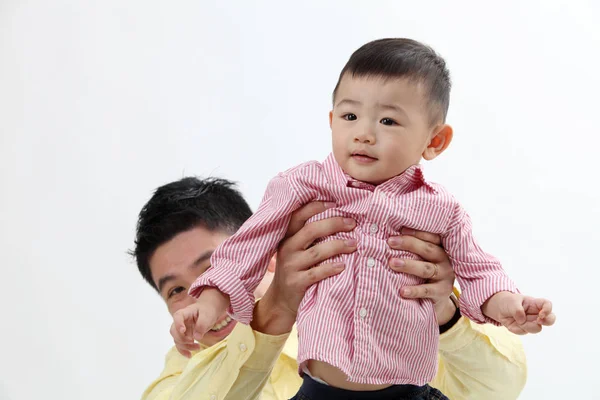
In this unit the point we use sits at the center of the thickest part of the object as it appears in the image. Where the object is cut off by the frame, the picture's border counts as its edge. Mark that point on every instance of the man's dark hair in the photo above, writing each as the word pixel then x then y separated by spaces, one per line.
pixel 212 203
pixel 404 58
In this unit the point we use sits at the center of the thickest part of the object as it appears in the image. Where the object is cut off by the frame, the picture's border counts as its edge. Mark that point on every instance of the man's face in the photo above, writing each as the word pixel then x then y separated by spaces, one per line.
pixel 380 127
pixel 176 264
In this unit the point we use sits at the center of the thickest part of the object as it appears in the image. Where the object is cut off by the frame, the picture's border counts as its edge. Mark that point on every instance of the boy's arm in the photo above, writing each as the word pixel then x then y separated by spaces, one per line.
pixel 480 275
pixel 480 362
pixel 239 264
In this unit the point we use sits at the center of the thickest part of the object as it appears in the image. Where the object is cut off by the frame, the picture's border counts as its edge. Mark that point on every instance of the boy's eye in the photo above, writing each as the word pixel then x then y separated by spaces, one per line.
pixel 350 117
pixel 388 121
pixel 175 290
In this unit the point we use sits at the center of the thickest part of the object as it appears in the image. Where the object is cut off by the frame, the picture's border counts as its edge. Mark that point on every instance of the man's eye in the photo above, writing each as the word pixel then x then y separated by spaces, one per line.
pixel 350 117
pixel 388 121
pixel 175 290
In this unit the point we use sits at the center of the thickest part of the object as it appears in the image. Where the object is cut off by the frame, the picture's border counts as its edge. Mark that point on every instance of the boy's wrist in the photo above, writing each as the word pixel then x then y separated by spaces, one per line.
pixel 491 307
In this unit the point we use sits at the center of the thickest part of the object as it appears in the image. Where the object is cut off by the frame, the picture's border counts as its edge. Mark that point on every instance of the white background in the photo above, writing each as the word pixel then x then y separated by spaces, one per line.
pixel 101 102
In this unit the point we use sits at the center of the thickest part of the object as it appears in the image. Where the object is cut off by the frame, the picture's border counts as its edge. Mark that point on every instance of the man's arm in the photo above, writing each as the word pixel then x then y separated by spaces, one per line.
pixel 231 371
pixel 240 364
pixel 480 362
pixel 475 361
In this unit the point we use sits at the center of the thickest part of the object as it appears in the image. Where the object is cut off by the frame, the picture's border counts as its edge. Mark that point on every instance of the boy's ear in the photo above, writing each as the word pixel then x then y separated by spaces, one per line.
pixel 440 140
pixel 330 117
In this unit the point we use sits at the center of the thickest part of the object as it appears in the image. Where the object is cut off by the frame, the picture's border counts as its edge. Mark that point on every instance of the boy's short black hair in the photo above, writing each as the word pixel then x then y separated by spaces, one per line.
pixel 404 58
pixel 213 203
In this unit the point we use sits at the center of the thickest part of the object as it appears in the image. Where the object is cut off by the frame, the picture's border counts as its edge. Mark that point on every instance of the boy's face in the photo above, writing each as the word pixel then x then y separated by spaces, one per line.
pixel 380 127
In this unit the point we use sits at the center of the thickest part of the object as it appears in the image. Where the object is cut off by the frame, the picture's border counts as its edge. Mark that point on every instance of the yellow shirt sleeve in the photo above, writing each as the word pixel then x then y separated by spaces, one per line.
pixel 480 362
pixel 236 368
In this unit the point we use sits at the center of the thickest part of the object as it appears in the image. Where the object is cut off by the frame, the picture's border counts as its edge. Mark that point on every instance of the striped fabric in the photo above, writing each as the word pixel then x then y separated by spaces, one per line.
pixel 357 321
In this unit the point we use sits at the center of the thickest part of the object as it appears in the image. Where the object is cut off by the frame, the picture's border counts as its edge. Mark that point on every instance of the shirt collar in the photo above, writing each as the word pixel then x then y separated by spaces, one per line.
pixel 411 179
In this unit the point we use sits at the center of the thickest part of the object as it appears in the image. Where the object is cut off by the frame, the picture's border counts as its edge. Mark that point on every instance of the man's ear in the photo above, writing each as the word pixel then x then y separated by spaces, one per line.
pixel 440 140
pixel 330 118
pixel 271 266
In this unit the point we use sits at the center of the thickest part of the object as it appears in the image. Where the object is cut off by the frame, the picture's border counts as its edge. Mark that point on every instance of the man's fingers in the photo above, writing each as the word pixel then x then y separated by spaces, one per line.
pixel 421 269
pixel 318 273
pixel 321 252
pixel 425 291
pixel 426 236
pixel 303 214
pixel 306 236
pixel 426 250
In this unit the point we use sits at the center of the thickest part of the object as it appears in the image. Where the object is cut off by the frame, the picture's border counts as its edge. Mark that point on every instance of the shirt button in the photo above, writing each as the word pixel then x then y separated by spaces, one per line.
pixel 382 196
pixel 371 262
pixel 362 313
pixel 243 347
pixel 213 397
pixel 373 228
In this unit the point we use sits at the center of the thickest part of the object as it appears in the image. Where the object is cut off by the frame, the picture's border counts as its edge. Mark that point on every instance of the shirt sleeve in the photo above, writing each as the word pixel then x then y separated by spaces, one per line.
pixel 240 262
pixel 236 368
pixel 480 362
pixel 480 275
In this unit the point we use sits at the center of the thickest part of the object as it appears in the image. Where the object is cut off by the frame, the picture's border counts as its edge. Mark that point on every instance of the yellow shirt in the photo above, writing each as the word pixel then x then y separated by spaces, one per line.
pixel 475 362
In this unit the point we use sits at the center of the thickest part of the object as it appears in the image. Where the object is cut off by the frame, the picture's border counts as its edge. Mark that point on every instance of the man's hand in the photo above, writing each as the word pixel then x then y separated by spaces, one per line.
pixel 299 266
pixel 192 322
pixel 519 314
pixel 299 261
pixel 435 269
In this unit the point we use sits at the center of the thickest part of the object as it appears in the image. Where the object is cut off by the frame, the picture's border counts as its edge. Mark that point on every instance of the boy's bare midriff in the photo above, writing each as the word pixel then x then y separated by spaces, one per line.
pixel 335 377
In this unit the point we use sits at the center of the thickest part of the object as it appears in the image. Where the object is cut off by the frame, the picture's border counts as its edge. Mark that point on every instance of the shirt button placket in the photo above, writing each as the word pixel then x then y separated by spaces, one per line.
pixel 374 228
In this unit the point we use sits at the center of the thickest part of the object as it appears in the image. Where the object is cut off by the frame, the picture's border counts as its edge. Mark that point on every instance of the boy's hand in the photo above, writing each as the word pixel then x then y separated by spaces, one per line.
pixel 520 314
pixel 192 322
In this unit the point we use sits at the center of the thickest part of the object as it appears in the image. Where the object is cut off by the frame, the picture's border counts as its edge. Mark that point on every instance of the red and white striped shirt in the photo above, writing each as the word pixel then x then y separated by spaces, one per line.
pixel 357 321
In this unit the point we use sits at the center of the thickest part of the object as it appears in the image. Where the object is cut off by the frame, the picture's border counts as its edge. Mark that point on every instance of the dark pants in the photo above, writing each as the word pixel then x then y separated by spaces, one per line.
pixel 313 390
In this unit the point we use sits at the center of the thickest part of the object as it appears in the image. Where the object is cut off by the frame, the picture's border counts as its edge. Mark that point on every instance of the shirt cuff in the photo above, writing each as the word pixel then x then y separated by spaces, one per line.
pixel 265 348
pixel 471 300
pixel 222 278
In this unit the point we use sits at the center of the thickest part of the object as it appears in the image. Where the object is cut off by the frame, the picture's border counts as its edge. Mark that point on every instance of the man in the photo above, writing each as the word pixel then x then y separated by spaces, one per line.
pixel 186 220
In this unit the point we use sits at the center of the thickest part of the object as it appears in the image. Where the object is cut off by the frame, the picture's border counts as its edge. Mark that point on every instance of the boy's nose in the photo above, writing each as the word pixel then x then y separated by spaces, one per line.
pixel 365 136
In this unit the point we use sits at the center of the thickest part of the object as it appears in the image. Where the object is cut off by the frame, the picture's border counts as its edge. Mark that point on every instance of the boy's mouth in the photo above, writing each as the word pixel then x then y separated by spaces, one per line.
pixel 362 157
